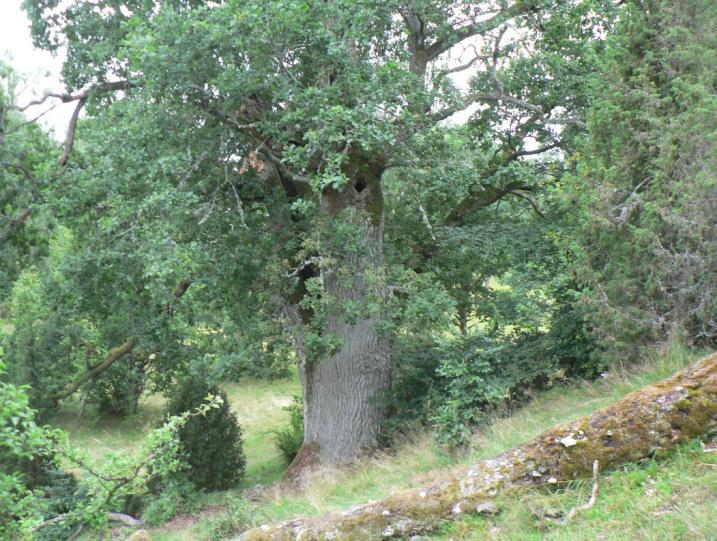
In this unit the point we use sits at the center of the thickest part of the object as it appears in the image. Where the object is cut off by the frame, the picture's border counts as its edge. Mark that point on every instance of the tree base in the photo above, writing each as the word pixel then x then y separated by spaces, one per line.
pixel 306 461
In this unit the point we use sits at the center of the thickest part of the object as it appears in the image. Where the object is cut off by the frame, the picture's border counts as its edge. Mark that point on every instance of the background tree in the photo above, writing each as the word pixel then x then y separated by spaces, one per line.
pixel 26 166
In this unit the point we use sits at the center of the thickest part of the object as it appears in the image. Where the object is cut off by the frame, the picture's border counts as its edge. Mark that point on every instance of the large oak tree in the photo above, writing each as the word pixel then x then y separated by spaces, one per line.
pixel 262 134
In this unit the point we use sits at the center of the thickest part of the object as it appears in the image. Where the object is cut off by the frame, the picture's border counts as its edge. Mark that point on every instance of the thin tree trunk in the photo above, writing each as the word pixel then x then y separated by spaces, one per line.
pixel 651 420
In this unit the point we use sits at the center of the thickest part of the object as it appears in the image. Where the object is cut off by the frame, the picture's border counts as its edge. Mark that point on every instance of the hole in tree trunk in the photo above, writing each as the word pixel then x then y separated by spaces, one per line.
pixel 360 185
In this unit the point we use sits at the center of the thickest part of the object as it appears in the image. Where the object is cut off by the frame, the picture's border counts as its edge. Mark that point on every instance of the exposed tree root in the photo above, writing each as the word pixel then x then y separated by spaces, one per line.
pixel 640 425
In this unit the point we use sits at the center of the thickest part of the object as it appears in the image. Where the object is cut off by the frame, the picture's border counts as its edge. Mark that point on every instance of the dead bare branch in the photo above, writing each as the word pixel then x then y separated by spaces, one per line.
pixel 71 129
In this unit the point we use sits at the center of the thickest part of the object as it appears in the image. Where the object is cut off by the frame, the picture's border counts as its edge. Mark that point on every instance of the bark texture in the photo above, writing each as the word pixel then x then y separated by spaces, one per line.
pixel 342 412
pixel 641 424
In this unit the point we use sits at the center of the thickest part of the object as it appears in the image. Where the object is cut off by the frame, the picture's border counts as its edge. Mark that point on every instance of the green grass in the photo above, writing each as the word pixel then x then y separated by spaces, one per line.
pixel 419 460
pixel 259 405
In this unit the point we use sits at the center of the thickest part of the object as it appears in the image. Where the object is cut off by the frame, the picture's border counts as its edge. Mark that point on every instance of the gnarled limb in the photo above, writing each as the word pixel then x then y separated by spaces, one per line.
pixel 120 351
pixel 647 421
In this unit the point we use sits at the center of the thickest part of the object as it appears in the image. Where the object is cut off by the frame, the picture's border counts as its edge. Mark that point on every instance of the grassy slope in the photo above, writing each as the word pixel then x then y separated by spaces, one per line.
pixel 658 501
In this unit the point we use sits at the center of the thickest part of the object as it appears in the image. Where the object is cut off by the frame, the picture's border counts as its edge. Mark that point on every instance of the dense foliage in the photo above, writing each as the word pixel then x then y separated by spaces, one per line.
pixel 646 179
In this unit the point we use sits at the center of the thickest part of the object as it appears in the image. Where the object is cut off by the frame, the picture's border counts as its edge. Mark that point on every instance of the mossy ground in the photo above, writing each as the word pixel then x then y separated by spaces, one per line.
pixel 418 461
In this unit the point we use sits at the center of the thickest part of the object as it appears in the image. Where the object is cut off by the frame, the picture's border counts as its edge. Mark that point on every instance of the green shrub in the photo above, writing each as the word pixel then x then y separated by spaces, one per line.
pixel 210 445
pixel 451 384
pixel 288 440
pixel 239 517
pixel 569 341
pixel 61 494
pixel 177 496
pixel 417 385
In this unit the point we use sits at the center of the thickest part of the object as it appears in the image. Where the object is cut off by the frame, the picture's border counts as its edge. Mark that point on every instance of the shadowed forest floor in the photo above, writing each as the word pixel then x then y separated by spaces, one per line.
pixel 672 497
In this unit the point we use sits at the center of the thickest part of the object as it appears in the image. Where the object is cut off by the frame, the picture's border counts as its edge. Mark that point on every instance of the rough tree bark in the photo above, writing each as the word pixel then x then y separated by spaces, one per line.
pixel 342 412
pixel 640 425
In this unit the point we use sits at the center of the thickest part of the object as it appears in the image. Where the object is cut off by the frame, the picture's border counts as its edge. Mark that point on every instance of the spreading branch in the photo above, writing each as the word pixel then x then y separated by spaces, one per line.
pixel 481 199
pixel 476 28
pixel 79 97
pixel 484 97
pixel 68 98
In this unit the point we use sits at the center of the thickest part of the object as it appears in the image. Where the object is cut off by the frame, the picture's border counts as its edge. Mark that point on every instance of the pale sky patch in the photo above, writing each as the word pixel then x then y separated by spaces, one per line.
pixel 39 69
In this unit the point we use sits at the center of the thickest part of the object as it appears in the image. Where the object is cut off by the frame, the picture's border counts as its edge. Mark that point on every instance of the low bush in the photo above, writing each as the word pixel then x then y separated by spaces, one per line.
pixel 239 516
pixel 454 382
pixel 177 496
pixel 210 445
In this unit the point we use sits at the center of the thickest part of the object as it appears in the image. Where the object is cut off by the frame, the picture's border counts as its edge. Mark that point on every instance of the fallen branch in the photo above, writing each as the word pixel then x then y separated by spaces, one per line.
pixel 113 517
pixel 653 419
pixel 113 356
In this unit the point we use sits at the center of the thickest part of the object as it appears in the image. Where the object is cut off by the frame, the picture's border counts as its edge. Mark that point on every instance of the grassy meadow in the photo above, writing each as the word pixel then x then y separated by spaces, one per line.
pixel 673 498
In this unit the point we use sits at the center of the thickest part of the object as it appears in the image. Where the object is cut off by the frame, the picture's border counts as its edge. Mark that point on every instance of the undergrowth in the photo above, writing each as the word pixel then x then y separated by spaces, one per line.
pixel 419 460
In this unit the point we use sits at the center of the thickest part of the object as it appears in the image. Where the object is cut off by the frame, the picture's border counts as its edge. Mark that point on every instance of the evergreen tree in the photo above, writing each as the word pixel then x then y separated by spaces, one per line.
pixel 647 178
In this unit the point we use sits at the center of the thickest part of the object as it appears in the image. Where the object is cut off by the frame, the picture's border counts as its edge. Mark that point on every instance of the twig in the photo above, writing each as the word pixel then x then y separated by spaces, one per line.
pixel 593 495
pixel 591 502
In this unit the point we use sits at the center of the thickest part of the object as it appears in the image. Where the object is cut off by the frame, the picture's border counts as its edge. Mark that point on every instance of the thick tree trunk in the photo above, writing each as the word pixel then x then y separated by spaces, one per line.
pixel 343 390
pixel 342 395
pixel 643 423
